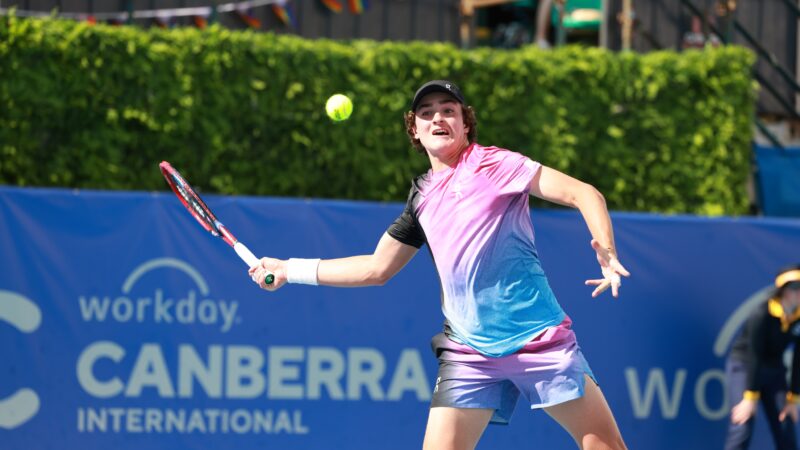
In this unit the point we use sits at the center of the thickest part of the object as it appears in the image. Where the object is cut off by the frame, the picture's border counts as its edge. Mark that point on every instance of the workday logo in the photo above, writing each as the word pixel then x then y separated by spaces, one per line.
pixel 132 305
pixel 25 316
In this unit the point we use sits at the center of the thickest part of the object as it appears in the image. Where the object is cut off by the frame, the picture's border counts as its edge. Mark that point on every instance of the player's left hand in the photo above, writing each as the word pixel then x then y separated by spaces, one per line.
pixel 611 268
pixel 790 409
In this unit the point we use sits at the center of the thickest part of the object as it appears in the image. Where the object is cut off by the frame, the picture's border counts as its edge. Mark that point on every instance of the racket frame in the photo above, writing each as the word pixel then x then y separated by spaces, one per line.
pixel 192 201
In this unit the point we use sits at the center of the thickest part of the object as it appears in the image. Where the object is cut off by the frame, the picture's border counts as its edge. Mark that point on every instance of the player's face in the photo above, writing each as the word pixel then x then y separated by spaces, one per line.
pixel 791 295
pixel 439 125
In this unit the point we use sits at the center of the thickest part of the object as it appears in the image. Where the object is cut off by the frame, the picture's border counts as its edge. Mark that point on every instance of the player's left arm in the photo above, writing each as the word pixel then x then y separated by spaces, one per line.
pixel 557 187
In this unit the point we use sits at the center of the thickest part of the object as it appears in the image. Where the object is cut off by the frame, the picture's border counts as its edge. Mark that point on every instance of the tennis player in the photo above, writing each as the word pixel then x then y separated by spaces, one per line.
pixel 505 333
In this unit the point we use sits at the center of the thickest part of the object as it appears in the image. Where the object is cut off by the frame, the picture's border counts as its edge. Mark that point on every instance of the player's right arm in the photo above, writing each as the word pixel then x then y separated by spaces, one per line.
pixel 389 257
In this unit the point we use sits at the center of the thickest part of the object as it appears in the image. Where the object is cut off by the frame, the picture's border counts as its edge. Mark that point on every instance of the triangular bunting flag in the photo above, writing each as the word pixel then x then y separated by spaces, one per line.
pixel 333 5
pixel 284 14
pixel 248 18
pixel 358 6
pixel 200 22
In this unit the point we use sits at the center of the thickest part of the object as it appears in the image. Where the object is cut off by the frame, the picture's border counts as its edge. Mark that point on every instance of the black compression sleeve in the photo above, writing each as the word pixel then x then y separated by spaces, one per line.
pixel 406 228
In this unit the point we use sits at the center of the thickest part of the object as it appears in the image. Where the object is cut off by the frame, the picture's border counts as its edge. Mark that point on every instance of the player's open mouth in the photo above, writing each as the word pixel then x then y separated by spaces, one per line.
pixel 440 133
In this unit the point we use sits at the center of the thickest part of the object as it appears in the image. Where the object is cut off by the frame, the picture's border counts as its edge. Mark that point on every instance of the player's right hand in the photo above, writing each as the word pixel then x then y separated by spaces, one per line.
pixel 258 273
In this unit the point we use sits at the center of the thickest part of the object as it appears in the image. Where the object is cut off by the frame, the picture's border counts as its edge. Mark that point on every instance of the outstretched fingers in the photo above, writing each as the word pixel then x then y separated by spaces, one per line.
pixel 612 270
pixel 602 285
pixel 611 279
pixel 618 267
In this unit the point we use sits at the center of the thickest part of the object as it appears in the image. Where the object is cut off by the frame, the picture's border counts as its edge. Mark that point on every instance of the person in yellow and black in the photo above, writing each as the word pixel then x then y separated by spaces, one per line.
pixel 756 372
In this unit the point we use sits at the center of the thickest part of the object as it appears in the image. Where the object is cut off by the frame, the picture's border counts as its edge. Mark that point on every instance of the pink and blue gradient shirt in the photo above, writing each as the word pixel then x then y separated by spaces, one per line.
pixel 476 221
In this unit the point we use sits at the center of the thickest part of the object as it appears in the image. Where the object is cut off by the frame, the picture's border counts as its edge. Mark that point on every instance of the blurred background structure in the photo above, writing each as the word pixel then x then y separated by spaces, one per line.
pixel 769 29
pixel 118 314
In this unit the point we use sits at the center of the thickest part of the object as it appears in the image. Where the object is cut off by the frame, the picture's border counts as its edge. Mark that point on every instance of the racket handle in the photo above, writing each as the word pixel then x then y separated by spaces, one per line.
pixel 250 259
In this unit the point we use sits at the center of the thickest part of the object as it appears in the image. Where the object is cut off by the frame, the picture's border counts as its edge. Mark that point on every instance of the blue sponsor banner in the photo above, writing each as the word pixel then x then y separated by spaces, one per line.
pixel 125 325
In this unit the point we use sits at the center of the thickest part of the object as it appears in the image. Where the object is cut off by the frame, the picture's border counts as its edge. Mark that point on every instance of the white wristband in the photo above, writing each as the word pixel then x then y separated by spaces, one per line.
pixel 302 271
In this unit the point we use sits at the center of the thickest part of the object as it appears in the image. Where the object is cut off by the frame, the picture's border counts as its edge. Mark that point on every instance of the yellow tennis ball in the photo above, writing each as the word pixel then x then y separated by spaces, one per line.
pixel 339 107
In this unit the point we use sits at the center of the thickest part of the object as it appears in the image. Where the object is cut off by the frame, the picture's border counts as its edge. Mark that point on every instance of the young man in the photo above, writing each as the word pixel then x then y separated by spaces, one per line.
pixel 755 369
pixel 505 333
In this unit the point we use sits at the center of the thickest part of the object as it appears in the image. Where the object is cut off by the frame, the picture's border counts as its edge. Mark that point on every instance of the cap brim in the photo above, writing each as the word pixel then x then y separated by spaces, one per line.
pixel 430 90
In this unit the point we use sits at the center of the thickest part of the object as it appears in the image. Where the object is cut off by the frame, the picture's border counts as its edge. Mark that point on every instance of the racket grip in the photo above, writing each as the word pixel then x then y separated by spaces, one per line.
pixel 250 259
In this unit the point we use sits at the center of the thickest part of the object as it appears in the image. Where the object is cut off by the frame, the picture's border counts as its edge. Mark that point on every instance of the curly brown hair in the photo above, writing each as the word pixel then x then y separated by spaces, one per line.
pixel 469 121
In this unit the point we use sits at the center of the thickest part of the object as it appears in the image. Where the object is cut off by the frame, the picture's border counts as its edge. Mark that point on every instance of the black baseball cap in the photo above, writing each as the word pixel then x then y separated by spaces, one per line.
pixel 448 87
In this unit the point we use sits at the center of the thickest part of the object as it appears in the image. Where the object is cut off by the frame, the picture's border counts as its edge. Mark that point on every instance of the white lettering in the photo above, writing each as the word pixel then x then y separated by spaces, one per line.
pixel 86 360
pixel 196 422
pixel 365 367
pixel 244 378
pixel 325 367
pixel 280 372
pixel 241 421
pixel 207 312
pixel 93 308
pixel 199 421
pixel 96 420
pixel 283 423
pixel 176 420
pixel 228 312
pixel 133 422
pixel 116 418
pixel 642 403
pixel 150 369
pixel 185 309
pixel 141 308
pixel 247 372
pixel 122 309
pixel 191 368
pixel 409 376
pixel 160 309
pixel 163 308
pixel 153 419
pixel 700 395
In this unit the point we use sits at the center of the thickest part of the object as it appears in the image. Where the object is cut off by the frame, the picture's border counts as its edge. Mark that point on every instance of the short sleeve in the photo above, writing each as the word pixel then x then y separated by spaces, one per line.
pixel 406 228
pixel 510 171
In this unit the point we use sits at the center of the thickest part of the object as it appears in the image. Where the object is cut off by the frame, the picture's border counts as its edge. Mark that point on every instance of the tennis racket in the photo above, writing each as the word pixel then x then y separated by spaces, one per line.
pixel 200 211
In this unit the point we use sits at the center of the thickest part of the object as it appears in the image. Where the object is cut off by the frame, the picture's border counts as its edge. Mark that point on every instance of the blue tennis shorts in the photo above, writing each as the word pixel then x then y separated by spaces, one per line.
pixel 548 370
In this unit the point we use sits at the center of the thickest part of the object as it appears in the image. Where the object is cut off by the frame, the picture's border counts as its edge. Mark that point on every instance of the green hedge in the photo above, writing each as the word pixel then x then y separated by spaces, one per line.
pixel 243 113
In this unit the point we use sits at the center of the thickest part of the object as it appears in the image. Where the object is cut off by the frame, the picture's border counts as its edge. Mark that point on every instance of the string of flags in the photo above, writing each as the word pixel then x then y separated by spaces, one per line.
pixel 248 18
pixel 200 15
pixel 355 6
pixel 333 5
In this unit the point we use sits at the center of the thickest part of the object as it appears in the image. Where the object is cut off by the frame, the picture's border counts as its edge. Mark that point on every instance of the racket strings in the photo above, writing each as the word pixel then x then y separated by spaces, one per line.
pixel 197 207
